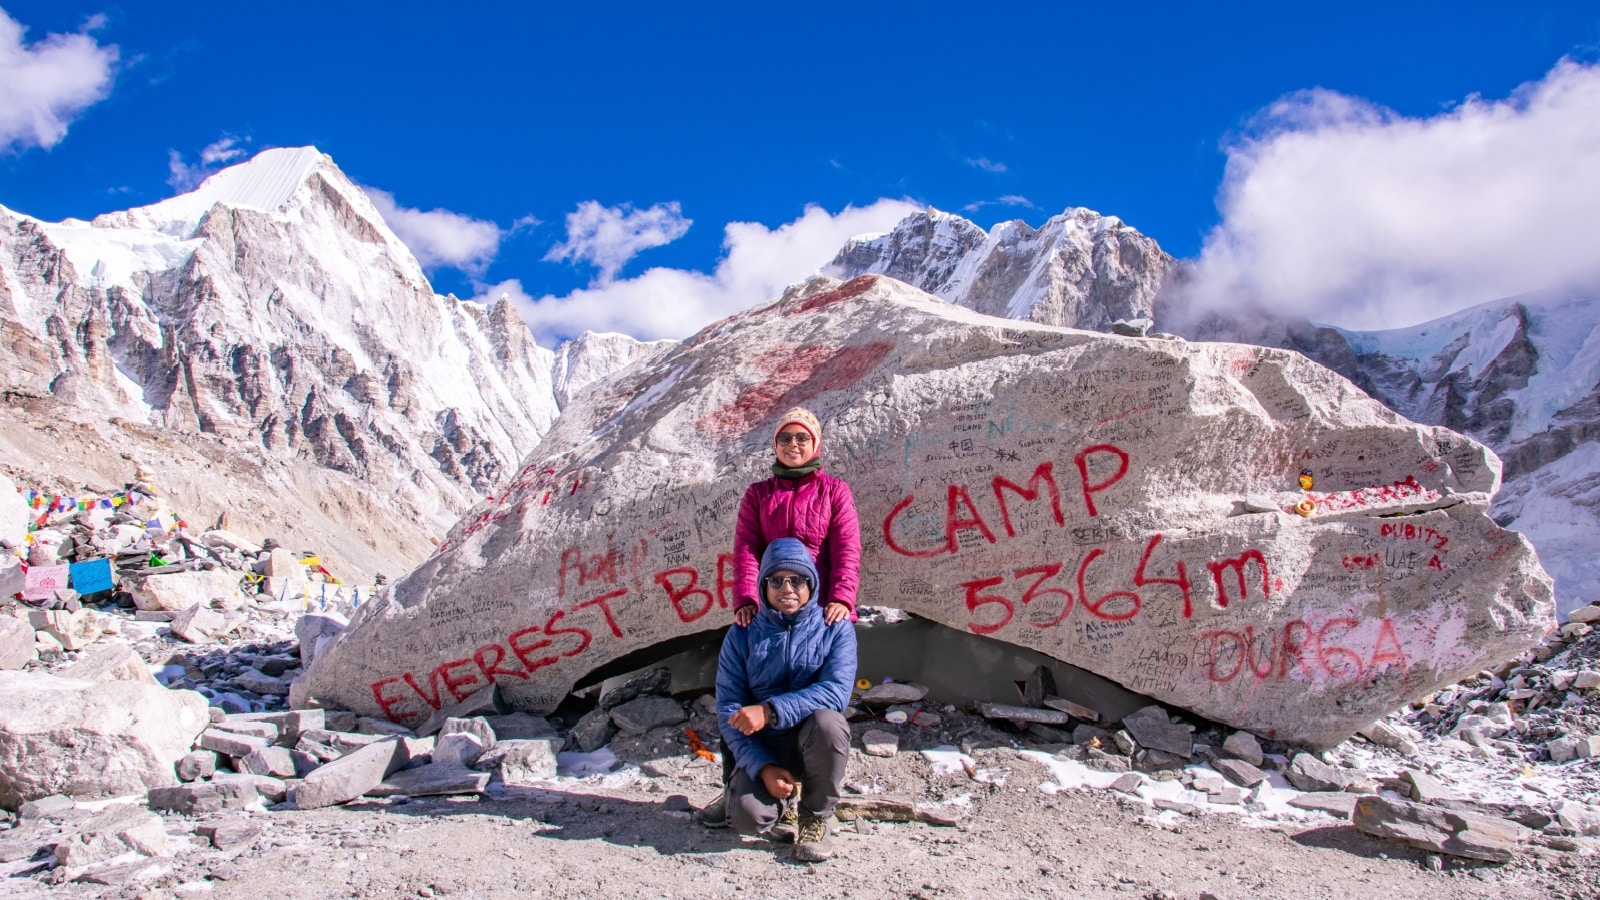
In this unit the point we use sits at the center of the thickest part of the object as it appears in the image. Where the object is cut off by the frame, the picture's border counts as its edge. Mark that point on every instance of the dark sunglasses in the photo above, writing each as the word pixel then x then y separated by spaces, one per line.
pixel 793 437
pixel 779 582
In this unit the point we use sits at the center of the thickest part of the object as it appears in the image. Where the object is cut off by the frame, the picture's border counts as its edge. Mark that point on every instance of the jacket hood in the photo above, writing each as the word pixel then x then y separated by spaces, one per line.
pixel 789 553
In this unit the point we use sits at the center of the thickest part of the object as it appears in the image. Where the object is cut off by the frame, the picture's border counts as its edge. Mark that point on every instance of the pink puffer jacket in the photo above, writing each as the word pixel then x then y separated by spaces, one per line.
pixel 819 510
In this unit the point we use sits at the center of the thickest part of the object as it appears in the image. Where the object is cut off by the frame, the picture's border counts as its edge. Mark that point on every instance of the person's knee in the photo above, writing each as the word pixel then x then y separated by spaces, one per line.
pixel 826 728
pixel 747 814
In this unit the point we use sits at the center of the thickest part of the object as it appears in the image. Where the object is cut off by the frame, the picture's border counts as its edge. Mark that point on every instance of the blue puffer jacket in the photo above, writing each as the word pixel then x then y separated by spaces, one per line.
pixel 797 663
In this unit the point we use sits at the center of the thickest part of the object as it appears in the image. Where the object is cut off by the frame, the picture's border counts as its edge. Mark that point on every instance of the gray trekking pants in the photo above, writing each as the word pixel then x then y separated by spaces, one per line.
pixel 817 754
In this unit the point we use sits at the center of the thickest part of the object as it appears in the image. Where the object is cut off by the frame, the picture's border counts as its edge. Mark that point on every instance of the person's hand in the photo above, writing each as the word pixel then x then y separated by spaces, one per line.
pixel 749 719
pixel 779 782
pixel 743 615
pixel 835 612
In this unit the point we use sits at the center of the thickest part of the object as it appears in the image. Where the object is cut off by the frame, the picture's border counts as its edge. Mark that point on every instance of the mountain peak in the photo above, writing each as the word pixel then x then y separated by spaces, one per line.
pixel 265 182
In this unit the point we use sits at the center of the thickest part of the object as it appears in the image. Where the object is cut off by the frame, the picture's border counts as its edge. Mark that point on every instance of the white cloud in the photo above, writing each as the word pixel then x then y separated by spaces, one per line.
pixel 221 151
pixel 1007 200
pixel 44 86
pixel 183 177
pixel 608 236
pixel 986 164
pixel 1355 215
pixel 758 263
pixel 441 238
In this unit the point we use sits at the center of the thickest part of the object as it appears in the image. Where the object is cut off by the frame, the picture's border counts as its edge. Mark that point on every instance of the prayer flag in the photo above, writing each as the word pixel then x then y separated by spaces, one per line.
pixel 42 582
pixel 92 576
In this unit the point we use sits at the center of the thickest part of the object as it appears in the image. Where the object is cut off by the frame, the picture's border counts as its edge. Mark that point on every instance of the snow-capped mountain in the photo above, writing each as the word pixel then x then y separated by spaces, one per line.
pixel 273 308
pixel 1522 375
pixel 1079 269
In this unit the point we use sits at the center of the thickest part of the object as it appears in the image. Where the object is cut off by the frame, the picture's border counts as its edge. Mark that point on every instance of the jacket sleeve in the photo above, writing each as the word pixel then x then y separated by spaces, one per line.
pixel 749 542
pixel 733 692
pixel 831 690
pixel 844 548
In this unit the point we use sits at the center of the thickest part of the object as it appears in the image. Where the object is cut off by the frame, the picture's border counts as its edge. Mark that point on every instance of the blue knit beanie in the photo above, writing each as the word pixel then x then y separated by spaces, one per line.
pixel 788 553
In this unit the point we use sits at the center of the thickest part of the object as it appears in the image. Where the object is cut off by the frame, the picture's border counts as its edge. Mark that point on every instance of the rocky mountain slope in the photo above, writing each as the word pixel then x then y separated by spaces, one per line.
pixel 273 319
pixel 1079 269
pixel 1522 374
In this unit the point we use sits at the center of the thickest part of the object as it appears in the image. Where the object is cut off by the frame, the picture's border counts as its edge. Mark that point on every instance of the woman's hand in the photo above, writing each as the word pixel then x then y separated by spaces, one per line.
pixel 835 613
pixel 744 614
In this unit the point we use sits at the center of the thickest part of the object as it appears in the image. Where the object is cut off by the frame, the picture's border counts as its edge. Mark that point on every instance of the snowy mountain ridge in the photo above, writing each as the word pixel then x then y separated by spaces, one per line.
pixel 273 307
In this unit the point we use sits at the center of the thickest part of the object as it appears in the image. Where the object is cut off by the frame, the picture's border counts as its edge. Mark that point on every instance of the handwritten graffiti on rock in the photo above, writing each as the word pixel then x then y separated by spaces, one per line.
pixel 1298 650
pixel 962 514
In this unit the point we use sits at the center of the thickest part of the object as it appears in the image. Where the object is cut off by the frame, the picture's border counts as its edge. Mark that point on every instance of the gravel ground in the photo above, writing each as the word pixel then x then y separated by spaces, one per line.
pixel 630 834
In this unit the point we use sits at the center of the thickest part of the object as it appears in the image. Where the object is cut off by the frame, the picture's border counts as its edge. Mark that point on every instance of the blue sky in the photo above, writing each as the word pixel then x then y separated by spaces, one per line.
pixel 657 125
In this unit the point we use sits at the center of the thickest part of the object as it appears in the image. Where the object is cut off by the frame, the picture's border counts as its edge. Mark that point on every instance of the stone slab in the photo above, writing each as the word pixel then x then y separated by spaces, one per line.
pixel 434 779
pixel 1441 830
pixel 1117 465
pixel 349 776
pixel 1339 804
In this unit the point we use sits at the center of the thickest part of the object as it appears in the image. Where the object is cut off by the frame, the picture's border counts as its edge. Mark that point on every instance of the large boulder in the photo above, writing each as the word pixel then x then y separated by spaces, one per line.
pixel 91 740
pixel 184 590
pixel 1128 505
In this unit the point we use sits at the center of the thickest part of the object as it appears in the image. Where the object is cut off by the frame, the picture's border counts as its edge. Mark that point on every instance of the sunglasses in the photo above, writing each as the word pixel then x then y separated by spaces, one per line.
pixel 779 582
pixel 793 437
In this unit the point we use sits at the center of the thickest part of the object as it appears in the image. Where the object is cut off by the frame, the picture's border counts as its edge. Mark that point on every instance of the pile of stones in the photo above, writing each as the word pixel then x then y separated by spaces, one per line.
pixel 1542 706
pixel 232 766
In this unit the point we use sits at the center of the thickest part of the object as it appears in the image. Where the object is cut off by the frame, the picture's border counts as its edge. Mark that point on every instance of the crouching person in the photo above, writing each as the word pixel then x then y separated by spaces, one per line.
pixel 782 685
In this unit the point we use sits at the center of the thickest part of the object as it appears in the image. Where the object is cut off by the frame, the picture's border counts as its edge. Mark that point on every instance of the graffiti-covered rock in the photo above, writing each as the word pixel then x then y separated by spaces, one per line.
pixel 1229 529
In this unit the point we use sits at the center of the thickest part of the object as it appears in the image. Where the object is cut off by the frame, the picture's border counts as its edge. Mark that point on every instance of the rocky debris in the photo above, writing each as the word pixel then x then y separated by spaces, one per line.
pixel 520 761
pixel 1308 773
pixel 119 828
pixel 349 776
pixel 89 739
pixel 1338 804
pixel 891 693
pixel 1024 714
pixel 230 834
pixel 591 732
pixel 650 681
pixel 1441 830
pixel 642 714
pixel 1154 729
pixel 1243 745
pixel 880 743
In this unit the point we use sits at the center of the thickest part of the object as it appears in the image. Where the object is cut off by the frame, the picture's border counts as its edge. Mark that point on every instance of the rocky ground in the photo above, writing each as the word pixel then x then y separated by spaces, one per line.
pixel 1483 789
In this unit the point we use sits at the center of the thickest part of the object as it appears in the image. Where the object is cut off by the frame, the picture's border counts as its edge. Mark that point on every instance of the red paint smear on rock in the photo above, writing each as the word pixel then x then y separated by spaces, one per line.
pixel 806 373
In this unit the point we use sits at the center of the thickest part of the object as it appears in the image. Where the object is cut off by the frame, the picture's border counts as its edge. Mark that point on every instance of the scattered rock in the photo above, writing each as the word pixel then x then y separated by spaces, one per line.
pixel 119 828
pixel 521 762
pixel 1239 772
pixel 1339 804
pixel 350 776
pixel 1308 773
pixel 880 743
pixel 434 779
pixel 1244 745
pixel 644 713
pixel 650 681
pixel 890 693
pixel 1440 830
pixel 1154 730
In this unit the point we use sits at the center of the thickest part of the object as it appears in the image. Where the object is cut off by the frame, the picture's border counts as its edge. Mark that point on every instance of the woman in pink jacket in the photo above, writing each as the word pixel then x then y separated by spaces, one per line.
pixel 799 501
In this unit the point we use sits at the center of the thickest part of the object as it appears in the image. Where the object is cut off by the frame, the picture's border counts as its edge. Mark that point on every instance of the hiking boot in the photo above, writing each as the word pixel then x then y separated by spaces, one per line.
pixel 789 822
pixel 715 813
pixel 814 840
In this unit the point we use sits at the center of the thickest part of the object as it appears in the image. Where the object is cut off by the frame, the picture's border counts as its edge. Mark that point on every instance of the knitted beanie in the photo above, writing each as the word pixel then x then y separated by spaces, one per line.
pixel 787 553
pixel 804 418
